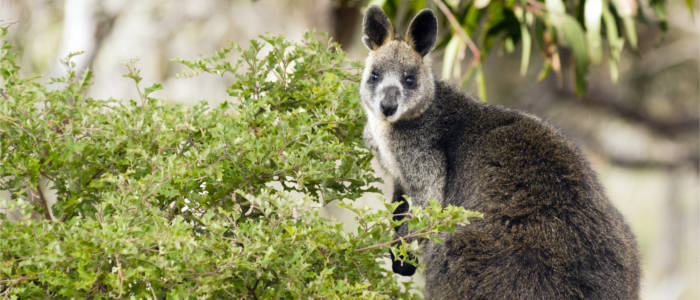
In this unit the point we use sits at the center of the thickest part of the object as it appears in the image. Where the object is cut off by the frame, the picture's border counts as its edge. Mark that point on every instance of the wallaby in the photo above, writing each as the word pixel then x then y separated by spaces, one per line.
pixel 548 231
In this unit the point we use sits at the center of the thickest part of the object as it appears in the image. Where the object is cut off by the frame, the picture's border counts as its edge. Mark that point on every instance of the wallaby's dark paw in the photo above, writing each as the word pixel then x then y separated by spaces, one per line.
pixel 403 268
pixel 400 211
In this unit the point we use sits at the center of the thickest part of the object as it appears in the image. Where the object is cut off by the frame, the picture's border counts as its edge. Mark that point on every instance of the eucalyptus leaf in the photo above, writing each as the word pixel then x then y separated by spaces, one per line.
pixel 525 38
pixel 481 83
pixel 615 42
pixel 593 11
pixel 450 57
pixel 526 47
pixel 545 71
pixel 572 35
pixel 691 7
pixel 630 31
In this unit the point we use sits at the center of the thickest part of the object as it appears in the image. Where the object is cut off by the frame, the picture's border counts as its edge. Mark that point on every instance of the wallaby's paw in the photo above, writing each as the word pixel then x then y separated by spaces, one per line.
pixel 403 268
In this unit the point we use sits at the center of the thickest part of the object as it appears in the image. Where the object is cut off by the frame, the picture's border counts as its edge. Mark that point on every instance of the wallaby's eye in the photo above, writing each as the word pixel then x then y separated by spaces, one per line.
pixel 374 77
pixel 410 81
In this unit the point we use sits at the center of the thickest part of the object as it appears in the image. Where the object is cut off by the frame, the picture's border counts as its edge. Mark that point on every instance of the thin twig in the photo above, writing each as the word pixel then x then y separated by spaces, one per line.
pixel 121 275
pixel 460 31
pixel 188 143
pixel 230 294
pixel 252 290
pixel 13 282
pixel 408 236
pixel 153 292
pixel 47 212
pixel 6 118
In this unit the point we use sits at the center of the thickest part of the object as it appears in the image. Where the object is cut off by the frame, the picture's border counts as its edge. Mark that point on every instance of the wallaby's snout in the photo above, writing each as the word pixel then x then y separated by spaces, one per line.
pixel 389 103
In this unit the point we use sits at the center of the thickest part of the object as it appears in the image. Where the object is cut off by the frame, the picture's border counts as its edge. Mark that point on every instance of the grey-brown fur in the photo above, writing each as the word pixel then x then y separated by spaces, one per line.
pixel 548 231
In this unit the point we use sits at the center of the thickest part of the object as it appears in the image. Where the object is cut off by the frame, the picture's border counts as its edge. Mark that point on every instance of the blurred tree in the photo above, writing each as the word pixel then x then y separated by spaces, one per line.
pixel 564 31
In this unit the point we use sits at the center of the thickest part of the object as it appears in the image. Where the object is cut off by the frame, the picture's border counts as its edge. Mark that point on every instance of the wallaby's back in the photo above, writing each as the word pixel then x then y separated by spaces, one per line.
pixel 548 229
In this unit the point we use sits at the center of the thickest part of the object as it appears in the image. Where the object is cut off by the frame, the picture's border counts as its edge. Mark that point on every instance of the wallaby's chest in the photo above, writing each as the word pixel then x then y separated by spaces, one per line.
pixel 400 152
pixel 380 137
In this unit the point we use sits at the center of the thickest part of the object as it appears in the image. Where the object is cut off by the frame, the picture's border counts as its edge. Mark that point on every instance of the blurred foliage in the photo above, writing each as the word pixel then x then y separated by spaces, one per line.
pixel 157 200
pixel 582 27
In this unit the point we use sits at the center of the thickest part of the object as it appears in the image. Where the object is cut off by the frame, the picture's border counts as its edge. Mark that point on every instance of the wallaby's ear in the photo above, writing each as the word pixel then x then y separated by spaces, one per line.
pixel 422 32
pixel 377 28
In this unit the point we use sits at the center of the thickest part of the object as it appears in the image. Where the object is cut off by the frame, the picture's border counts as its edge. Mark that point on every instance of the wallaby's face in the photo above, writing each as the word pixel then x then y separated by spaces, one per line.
pixel 397 83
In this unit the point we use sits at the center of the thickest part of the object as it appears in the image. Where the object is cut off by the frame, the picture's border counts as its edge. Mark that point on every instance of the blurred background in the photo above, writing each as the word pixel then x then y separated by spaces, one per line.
pixel 640 132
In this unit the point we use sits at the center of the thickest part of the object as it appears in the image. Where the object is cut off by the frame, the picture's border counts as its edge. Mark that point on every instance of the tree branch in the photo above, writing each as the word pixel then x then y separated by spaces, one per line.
pixel 13 282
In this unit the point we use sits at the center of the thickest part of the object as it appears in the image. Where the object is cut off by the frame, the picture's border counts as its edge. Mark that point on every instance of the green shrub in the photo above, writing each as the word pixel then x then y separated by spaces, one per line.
pixel 158 200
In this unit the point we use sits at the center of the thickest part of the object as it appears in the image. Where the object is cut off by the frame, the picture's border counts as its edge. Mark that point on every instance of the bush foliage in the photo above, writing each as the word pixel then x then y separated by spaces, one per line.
pixel 158 200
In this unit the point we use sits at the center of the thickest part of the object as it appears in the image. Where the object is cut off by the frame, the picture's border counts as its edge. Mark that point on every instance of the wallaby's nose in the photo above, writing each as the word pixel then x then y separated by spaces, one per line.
pixel 389 104
pixel 388 108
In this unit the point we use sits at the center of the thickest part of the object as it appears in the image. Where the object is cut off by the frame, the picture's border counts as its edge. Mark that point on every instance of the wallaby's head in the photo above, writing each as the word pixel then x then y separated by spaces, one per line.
pixel 397 83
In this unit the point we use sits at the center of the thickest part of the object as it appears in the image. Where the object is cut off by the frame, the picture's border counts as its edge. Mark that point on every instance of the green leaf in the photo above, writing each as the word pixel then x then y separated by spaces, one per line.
pixel 494 22
pixel 615 42
pixel 525 38
pixel 471 19
pixel 545 71
pixel 691 7
pixel 450 57
pixel 526 47
pixel 154 87
pixel 593 11
pixel 417 5
pixel 627 9
pixel 630 31
pixel 481 83
pixel 571 35
pixel 659 9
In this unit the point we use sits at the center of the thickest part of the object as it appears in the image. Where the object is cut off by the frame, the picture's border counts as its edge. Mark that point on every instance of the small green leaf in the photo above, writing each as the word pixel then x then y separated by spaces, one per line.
pixel 509 45
pixel 154 87
pixel 527 47
pixel 545 71
pixel 471 20
pixel 630 31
